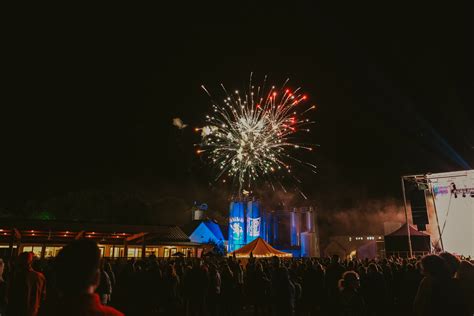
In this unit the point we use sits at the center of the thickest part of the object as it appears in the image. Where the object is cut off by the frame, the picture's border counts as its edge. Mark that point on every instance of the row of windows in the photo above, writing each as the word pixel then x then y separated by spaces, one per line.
pixel 111 251
pixel 367 238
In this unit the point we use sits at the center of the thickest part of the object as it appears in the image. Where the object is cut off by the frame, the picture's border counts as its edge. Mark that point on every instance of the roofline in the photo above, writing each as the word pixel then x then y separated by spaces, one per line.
pixel 79 225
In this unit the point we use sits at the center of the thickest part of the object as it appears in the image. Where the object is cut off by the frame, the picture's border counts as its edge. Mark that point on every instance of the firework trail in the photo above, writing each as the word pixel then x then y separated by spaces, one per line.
pixel 251 135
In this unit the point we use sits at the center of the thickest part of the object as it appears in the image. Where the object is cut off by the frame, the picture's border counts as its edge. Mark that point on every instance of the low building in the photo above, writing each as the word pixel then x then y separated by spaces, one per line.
pixel 207 231
pixel 46 238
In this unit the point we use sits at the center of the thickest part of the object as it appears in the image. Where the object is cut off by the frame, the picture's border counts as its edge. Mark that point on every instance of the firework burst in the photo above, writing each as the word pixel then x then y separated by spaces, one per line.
pixel 251 136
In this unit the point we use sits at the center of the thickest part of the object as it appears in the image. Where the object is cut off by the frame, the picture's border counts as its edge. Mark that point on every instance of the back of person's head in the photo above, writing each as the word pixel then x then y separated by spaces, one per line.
pixel 25 260
pixel 212 268
pixel 283 274
pixel 373 268
pixel 452 262
pixel 77 266
pixel 276 261
pixel 335 259
pixel 153 265
pixel 435 266
pixel 350 264
pixel 170 270
pixel 465 271
pixel 349 281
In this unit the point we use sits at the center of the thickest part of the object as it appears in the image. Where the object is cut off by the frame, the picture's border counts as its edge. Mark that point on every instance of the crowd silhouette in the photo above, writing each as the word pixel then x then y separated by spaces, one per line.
pixel 78 282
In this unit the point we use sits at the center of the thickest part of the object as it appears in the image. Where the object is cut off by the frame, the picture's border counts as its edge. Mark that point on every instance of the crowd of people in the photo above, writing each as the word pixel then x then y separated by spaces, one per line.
pixel 78 282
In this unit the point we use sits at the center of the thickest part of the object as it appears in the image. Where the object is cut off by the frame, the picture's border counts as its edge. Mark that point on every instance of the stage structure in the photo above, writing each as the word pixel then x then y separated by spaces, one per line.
pixel 449 207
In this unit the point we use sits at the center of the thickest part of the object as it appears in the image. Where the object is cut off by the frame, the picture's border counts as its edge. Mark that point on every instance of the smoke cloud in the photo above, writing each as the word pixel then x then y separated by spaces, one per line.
pixel 366 218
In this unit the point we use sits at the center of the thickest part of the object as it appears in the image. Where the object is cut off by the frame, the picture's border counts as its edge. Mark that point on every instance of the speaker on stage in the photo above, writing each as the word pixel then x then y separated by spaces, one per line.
pixel 419 212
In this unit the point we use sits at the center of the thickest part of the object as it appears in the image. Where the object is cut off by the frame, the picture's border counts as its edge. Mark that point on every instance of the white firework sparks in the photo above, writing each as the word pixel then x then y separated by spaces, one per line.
pixel 252 135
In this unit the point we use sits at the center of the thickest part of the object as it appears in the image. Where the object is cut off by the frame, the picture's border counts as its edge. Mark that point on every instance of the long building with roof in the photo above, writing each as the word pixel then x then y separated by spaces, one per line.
pixel 45 238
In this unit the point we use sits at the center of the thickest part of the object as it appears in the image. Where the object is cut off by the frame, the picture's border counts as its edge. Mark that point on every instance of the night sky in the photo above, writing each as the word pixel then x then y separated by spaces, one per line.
pixel 93 103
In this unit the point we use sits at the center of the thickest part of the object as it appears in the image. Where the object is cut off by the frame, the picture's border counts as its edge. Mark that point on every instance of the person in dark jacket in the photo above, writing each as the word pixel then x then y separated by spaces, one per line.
pixel 350 301
pixel 77 278
pixel 334 273
pixel 104 290
pixel 284 292
pixel 438 293
pixel 3 290
pixel 375 291
pixel 465 278
pixel 214 290
pixel 228 290
pixel 27 288
pixel 171 299
pixel 313 288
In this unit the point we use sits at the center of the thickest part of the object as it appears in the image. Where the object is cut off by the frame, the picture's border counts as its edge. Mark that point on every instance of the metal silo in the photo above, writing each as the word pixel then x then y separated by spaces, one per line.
pixel 236 225
pixel 295 227
pixel 254 220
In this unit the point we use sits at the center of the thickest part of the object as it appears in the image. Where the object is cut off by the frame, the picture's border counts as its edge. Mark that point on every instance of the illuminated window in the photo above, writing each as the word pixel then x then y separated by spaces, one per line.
pixel 102 250
pixel 52 251
pixel 188 252
pixel 199 252
pixel 151 251
pixel 134 252
pixel 350 238
pixel 117 252
pixel 166 252
pixel 36 250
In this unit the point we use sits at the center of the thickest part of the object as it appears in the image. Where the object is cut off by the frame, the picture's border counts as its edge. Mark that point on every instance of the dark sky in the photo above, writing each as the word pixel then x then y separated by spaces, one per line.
pixel 93 100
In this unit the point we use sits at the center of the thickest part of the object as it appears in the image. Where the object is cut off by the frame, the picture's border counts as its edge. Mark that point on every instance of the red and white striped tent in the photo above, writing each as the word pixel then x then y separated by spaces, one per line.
pixel 259 248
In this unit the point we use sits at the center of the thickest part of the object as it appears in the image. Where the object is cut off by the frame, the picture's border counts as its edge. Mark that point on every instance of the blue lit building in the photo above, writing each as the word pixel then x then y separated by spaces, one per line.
pixel 289 230
pixel 207 231
pixel 236 225
pixel 254 221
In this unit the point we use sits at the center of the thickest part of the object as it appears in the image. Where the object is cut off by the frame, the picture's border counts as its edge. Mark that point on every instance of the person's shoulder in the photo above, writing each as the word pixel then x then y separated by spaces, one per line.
pixel 426 281
pixel 41 276
pixel 110 311
pixel 37 275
